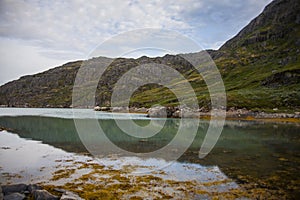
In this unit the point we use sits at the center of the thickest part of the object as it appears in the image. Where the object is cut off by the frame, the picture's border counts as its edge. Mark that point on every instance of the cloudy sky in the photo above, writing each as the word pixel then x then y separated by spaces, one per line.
pixel 38 35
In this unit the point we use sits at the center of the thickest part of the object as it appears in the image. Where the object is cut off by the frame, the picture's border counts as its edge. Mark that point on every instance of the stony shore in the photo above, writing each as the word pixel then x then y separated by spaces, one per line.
pixel 185 112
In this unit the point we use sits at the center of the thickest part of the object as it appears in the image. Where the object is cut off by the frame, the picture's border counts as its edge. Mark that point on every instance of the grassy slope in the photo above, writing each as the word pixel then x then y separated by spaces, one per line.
pixel 244 69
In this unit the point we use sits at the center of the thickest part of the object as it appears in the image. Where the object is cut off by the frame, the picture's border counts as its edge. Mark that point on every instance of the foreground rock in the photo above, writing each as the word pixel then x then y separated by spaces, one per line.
pixel 32 191
pixel 14 196
pixel 43 194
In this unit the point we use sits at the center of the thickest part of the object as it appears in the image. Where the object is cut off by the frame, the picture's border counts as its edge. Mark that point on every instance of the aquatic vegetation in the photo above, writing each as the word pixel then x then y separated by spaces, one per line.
pixel 62 174
pixel 105 182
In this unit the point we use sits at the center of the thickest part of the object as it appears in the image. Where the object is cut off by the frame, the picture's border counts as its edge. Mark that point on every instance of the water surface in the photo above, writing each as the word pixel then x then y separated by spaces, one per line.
pixel 254 154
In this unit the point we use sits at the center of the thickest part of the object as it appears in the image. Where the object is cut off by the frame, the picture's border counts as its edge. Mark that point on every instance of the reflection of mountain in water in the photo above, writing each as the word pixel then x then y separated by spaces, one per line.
pixel 62 133
pixel 57 132
pixel 253 150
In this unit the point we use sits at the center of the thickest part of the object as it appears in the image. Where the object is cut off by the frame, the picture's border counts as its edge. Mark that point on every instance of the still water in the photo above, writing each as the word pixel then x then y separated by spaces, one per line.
pixel 253 154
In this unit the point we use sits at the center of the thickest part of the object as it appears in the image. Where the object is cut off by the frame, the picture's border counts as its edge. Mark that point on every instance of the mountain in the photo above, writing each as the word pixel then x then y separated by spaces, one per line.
pixel 260 68
pixel 261 64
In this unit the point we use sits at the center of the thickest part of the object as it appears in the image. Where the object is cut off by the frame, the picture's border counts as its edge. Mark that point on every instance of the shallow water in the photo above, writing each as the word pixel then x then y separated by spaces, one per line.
pixel 255 154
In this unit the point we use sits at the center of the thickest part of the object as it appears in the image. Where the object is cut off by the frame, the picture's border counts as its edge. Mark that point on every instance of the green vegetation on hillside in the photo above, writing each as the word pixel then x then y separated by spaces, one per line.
pixel 260 68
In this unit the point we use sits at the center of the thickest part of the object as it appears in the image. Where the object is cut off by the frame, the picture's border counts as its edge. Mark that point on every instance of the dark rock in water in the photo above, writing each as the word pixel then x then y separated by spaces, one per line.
pixel 14 196
pixel 9 189
pixel 43 195
pixel 32 187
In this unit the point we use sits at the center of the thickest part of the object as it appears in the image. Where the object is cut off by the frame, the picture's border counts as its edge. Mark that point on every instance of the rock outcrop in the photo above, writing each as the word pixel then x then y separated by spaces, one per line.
pixel 272 24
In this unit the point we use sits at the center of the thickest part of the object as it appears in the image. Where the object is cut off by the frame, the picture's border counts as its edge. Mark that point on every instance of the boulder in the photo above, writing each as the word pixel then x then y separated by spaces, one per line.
pixel 18 188
pixel 189 114
pixel 119 109
pixel 97 108
pixel 32 187
pixel 14 196
pixel 138 110
pixel 44 195
pixel 185 112
pixel 142 110
pixel 105 108
pixel 177 114
pixel 157 111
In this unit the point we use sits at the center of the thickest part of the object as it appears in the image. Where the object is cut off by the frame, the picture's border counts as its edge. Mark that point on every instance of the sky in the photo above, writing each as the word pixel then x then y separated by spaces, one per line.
pixel 39 35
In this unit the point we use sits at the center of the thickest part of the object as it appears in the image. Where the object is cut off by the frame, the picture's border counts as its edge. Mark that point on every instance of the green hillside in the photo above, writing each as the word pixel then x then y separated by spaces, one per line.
pixel 260 67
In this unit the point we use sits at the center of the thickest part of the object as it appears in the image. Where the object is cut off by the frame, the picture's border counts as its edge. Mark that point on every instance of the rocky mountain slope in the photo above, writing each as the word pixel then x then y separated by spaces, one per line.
pixel 260 67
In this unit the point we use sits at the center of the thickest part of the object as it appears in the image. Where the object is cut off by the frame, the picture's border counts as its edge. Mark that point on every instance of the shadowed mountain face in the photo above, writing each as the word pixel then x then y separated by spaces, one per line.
pixel 278 20
pixel 260 67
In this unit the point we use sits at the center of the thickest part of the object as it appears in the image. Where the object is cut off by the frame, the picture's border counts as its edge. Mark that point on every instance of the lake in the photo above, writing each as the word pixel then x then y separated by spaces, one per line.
pixel 253 155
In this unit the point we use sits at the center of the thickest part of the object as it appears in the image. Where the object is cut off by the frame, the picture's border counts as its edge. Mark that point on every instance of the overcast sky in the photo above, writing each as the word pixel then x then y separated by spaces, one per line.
pixel 38 35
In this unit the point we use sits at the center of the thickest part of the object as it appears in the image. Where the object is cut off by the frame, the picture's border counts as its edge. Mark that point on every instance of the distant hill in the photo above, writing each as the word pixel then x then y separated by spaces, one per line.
pixel 260 67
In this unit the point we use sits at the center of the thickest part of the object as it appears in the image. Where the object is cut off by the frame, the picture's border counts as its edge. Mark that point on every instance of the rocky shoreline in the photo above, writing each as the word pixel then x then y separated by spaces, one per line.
pixel 35 192
pixel 185 112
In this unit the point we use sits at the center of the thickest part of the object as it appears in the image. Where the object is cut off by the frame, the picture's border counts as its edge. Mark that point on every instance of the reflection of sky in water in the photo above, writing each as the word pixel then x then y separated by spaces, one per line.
pixel 36 162
pixel 26 157
pixel 67 113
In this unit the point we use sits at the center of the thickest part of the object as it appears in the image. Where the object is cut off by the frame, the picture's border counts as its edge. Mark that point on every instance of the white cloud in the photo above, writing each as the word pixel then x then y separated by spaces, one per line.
pixel 163 40
pixel 18 59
